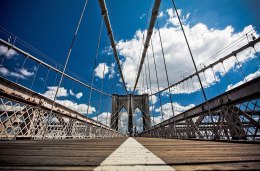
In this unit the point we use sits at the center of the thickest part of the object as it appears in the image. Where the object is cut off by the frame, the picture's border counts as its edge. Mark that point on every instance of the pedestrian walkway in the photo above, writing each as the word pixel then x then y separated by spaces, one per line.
pixel 128 154
pixel 131 155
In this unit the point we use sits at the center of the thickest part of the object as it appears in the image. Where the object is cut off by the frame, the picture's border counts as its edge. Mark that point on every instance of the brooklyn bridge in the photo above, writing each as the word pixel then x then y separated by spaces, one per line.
pixel 137 124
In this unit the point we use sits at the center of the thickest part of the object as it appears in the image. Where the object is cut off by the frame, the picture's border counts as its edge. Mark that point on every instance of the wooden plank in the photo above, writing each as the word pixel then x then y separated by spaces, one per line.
pixel 56 154
pixel 87 154
pixel 204 155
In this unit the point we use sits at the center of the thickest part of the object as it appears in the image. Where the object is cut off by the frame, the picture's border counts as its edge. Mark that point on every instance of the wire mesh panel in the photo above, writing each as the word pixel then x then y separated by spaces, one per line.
pixel 234 122
pixel 19 120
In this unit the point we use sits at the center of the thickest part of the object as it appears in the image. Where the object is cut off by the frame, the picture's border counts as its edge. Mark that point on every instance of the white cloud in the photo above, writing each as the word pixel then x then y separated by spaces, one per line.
pixel 167 110
pixel 247 78
pixel 5 72
pixel 22 73
pixel 153 99
pixel 50 93
pixel 104 118
pixel 160 15
pixel 112 70
pixel 8 53
pixel 173 16
pixel 79 95
pixel 151 107
pixel 123 122
pixel 204 42
pixel 101 70
pixel 71 93
pixel 142 16
pixel 26 72
pixel 81 108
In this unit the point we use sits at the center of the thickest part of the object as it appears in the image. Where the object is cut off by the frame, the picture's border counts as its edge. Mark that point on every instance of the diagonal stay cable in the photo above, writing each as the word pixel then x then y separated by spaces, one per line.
pixel 165 67
pixel 67 60
pixel 157 80
pixel 148 37
pixel 56 69
pixel 104 12
pixel 251 44
pixel 193 61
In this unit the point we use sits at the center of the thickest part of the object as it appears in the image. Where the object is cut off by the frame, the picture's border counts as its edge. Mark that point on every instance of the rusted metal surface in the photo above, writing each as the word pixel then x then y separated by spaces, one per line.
pixel 26 114
pixel 233 115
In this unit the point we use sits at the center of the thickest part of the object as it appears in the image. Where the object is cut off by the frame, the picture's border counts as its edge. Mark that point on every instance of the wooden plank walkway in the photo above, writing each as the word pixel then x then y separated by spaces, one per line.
pixel 67 154
pixel 89 153
pixel 204 155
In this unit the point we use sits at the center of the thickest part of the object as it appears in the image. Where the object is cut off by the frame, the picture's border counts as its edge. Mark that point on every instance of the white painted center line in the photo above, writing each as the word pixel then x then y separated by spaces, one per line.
pixel 131 155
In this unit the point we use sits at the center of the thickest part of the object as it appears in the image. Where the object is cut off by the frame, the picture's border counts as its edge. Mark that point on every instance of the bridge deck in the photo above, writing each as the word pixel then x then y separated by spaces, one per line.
pixel 204 155
pixel 90 153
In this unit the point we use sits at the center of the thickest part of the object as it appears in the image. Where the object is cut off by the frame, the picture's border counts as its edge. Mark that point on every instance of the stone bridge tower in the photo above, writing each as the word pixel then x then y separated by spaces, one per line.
pixel 130 103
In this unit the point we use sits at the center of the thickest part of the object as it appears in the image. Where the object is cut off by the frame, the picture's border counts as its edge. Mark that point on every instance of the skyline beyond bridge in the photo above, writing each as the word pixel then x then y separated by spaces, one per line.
pixel 129 108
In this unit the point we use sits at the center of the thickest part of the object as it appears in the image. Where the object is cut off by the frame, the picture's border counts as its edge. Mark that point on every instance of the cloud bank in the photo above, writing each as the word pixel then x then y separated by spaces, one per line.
pixel 204 42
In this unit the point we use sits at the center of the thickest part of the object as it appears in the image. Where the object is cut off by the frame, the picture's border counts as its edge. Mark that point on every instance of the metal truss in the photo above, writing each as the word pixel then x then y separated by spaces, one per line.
pixel 26 114
pixel 235 115
pixel 238 122
pixel 19 121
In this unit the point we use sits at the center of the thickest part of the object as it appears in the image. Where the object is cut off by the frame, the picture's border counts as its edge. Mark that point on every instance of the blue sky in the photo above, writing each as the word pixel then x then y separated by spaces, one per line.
pixel 49 26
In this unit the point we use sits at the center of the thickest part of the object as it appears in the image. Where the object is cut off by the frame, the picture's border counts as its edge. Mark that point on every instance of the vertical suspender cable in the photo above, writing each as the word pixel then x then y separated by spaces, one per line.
pixel 36 71
pixel 165 67
pixel 148 37
pixel 226 73
pixel 47 75
pixel 22 68
pixel 155 68
pixel 146 78
pixel 150 83
pixel 67 60
pixel 215 80
pixel 240 67
pixel 253 37
pixel 95 63
pixel 191 55
pixel 100 95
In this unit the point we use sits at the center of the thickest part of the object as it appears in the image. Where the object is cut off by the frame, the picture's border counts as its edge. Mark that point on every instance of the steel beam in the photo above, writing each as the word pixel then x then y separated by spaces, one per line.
pixel 18 93
pixel 104 13
pixel 48 66
pixel 240 94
